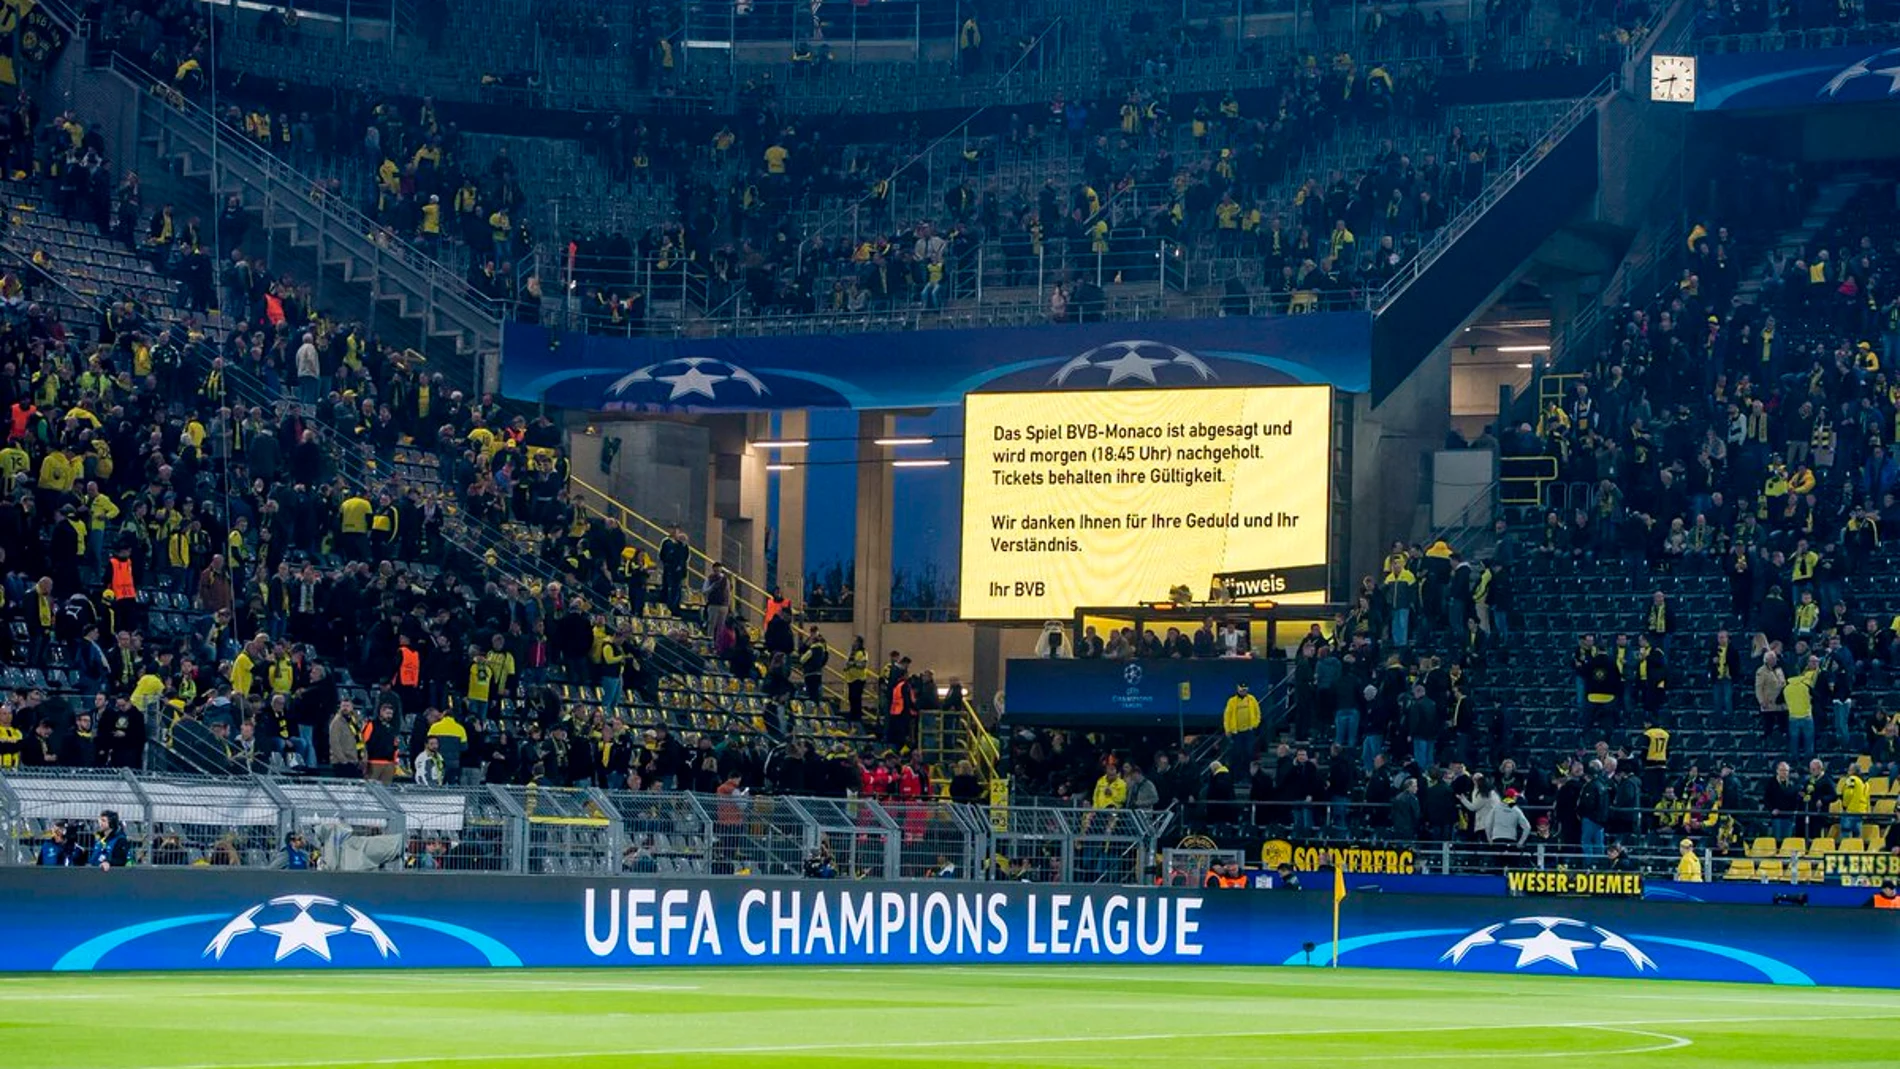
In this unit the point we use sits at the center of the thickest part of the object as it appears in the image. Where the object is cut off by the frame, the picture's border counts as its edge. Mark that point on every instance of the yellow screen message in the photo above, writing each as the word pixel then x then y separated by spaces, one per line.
pixel 1112 498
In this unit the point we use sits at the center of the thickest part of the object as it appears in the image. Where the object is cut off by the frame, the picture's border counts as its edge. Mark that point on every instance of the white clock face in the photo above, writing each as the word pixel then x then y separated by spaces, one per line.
pixel 1672 79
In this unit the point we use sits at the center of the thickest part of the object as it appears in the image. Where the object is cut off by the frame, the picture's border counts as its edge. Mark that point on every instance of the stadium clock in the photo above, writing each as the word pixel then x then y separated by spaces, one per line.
pixel 1672 79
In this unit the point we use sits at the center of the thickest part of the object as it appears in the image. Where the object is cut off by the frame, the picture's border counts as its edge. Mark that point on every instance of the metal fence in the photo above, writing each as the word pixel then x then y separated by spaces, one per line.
pixel 356 825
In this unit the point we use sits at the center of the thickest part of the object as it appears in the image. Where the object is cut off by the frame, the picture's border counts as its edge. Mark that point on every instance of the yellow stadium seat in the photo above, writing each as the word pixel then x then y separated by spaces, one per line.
pixel 1810 872
pixel 1852 846
pixel 1771 870
pixel 1879 785
pixel 1821 847
pixel 1884 807
pixel 1793 845
pixel 1864 764
pixel 1762 848
pixel 1740 869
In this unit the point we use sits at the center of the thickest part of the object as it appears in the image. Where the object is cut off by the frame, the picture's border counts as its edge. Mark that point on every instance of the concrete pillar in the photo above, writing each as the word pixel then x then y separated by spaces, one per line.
pixel 1568 296
pixel 871 579
pixel 788 527
pixel 738 494
pixel 986 669
pixel 662 470
pixel 1388 444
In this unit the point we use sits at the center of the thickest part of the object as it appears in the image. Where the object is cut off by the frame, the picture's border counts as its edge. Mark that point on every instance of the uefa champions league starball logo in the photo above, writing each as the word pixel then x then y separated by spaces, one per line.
pixel 1132 675
pixel 1882 65
pixel 1534 940
pixel 689 376
pixel 1131 361
pixel 302 924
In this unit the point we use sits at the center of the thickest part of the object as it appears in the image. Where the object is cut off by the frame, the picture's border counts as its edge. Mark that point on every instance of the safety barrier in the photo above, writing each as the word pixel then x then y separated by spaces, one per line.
pixel 357 825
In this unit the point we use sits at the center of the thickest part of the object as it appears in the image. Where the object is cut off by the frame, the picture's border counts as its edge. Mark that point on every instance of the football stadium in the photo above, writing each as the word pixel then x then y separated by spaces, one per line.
pixel 949 532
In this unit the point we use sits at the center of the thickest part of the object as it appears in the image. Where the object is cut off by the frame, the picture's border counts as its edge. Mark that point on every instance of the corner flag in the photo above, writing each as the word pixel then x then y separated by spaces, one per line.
pixel 1339 895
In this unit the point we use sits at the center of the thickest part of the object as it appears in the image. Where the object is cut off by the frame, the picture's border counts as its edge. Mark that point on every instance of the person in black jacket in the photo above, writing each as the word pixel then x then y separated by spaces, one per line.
pixel 121 739
pixel 812 659
pixel 1781 797
pixel 78 748
pixel 110 848
pixel 1818 796
pixel 674 550
pixel 1406 812
pixel 1626 800
pixel 1594 797
pixel 669 758
pixel 310 712
pixel 1342 775
pixel 1305 786
pixel 1441 808
pixel 1725 667
pixel 1219 798
pixel 1261 787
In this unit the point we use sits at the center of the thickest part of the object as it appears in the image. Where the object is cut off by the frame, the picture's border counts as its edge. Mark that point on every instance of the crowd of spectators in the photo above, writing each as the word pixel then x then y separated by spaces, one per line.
pixel 1723 429
pixel 746 212
pixel 1713 432
pixel 199 586
pixel 745 216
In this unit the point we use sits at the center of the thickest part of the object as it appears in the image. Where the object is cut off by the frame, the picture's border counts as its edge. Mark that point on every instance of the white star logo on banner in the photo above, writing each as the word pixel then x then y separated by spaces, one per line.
pixel 303 932
pixel 691 381
pixel 1547 945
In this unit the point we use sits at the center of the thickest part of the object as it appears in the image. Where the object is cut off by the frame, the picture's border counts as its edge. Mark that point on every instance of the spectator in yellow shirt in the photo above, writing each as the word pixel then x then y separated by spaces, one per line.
pixel 353 526
pixel 1856 800
pixel 57 473
pixel 244 669
pixel 13 461
pixel 1111 791
pixel 1689 866
pixel 1241 721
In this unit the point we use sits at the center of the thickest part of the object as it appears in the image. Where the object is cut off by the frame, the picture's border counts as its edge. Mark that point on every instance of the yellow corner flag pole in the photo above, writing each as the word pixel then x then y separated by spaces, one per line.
pixel 1339 895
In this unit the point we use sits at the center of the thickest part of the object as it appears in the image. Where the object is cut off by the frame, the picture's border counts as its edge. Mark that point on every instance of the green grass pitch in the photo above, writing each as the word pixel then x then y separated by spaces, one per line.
pixel 994 1016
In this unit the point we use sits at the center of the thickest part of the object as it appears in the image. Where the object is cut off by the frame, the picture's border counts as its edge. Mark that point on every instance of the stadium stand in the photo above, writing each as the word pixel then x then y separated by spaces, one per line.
pixel 313 524
pixel 1709 458
pixel 1715 470
pixel 1065 203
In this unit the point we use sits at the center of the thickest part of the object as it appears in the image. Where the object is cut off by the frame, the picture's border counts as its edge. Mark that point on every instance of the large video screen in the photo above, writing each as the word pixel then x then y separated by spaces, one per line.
pixel 1109 498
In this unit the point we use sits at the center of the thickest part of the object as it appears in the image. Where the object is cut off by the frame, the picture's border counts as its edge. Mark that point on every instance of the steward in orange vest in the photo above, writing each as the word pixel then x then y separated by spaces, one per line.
pixel 123 588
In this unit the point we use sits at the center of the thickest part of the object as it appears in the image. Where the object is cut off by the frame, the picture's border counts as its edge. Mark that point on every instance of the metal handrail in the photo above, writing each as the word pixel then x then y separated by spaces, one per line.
pixel 1122 307
pixel 384 249
pixel 624 513
pixel 274 168
pixel 1505 181
pixel 626 517
pixel 985 752
pixel 1785 40
pixel 1459 532
pixel 233 140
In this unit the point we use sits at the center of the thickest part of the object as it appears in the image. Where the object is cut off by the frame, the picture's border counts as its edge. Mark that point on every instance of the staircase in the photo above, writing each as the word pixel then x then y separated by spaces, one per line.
pixel 1827 203
pixel 952 734
pixel 449 321
pixel 748 596
pixel 357 269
